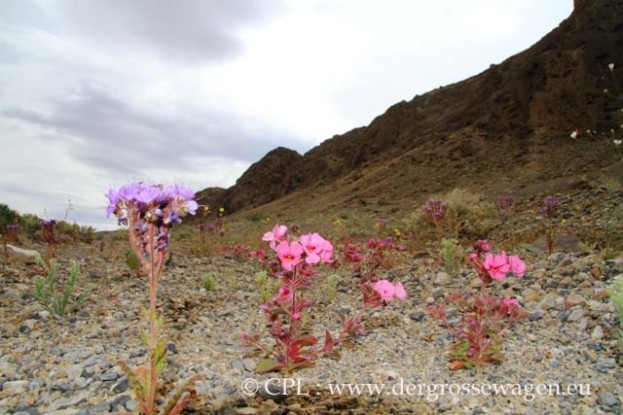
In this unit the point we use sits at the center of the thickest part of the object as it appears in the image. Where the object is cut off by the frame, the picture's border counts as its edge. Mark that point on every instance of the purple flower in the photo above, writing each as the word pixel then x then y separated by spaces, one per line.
pixel 113 197
pixel 179 191
pixel 435 209
pixel 504 202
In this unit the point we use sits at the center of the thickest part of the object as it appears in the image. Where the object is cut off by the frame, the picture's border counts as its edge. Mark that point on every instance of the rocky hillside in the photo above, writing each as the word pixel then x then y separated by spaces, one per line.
pixel 510 123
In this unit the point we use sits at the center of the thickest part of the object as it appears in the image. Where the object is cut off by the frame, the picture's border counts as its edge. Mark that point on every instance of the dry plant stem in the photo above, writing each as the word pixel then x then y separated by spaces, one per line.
pixel 550 236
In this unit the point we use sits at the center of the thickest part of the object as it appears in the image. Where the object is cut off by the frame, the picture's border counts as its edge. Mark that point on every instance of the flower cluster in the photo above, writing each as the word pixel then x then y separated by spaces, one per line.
pixel 550 207
pixel 484 318
pixel 436 209
pixel 139 205
pixel 150 211
pixel 388 291
pixel 495 266
pixel 297 259
pixel 505 202
pixel 155 202
pixel 47 229
pixel 312 248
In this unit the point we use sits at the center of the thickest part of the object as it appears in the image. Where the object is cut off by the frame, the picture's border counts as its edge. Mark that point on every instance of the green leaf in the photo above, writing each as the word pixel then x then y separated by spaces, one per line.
pixel 268 365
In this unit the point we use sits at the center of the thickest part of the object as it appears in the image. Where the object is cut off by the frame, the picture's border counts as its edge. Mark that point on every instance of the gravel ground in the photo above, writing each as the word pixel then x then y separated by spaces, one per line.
pixel 52 365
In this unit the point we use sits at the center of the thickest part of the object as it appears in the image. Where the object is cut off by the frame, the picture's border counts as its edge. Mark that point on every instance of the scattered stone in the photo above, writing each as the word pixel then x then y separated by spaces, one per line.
pixel 607 399
pixel 576 314
pixel 531 295
pixel 597 333
pixel 417 316
pixel 14 387
pixel 604 365
pixel 121 386
pixel 21 255
pixel 574 300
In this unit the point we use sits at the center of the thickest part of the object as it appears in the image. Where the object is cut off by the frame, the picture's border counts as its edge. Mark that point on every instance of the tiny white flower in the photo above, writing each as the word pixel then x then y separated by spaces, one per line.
pixel 617 142
pixel 611 66
pixel 574 134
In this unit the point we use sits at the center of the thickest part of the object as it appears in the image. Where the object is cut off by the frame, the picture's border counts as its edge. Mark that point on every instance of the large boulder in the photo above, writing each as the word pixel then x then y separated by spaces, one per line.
pixel 24 256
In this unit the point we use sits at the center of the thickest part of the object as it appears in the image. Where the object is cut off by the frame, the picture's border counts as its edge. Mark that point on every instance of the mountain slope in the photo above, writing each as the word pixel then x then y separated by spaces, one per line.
pixel 505 129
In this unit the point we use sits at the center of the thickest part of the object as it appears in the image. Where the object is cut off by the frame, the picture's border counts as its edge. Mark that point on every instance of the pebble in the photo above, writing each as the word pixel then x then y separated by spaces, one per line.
pixel 576 314
pixel 597 333
pixel 604 365
pixel 607 399
pixel 417 316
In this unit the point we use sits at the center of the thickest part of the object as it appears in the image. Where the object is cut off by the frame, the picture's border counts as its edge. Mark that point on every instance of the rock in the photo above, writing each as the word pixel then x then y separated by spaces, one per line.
pixel 597 333
pixel 576 314
pixel 531 295
pixel 121 386
pixel 417 316
pixel 607 399
pixel 15 387
pixel 536 315
pixel 65 403
pixel 604 365
pixel 109 376
pixel 442 278
pixel 23 256
pixel 600 294
pixel 574 300
pixel 273 390
pixel 100 408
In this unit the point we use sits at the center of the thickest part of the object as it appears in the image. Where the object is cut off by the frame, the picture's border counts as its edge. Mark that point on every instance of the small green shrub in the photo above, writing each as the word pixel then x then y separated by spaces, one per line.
pixel 469 217
pixel 132 261
pixel 451 254
pixel 332 281
pixel 266 285
pixel 616 294
pixel 54 298
pixel 210 282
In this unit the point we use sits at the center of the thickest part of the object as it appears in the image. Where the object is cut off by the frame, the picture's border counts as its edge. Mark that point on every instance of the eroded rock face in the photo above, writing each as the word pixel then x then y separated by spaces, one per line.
pixel 511 121
pixel 20 255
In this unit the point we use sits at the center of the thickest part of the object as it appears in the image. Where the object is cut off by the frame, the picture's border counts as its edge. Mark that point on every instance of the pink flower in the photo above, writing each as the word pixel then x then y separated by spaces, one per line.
pixel 509 305
pixel 385 289
pixel 313 244
pixel 277 235
pixel 400 293
pixel 497 265
pixel 327 252
pixel 289 254
pixel 517 265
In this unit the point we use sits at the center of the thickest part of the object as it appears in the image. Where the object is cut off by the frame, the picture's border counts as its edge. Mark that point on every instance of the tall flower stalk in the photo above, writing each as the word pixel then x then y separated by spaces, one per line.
pixel 549 212
pixel 150 211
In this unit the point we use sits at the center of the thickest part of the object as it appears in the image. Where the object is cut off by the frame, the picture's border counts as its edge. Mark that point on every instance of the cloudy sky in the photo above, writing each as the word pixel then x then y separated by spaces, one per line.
pixel 97 93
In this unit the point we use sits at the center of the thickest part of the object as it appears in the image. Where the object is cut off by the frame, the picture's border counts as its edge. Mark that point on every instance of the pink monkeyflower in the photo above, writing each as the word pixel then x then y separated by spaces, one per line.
pixel 327 252
pixel 400 293
pixel 296 316
pixel 497 265
pixel 289 254
pixel 509 305
pixel 277 235
pixel 510 302
pixel 313 245
pixel 517 265
pixel 385 289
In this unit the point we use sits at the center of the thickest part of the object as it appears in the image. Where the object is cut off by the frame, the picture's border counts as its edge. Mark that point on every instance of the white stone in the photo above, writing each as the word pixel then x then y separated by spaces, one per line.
pixel 20 255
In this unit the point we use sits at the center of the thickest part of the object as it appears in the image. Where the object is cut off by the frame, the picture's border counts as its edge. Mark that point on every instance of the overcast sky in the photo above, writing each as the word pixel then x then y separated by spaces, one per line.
pixel 98 93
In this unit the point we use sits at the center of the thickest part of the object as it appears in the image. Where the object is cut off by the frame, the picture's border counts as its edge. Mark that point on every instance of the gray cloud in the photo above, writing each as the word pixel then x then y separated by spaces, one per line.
pixel 101 130
pixel 190 30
